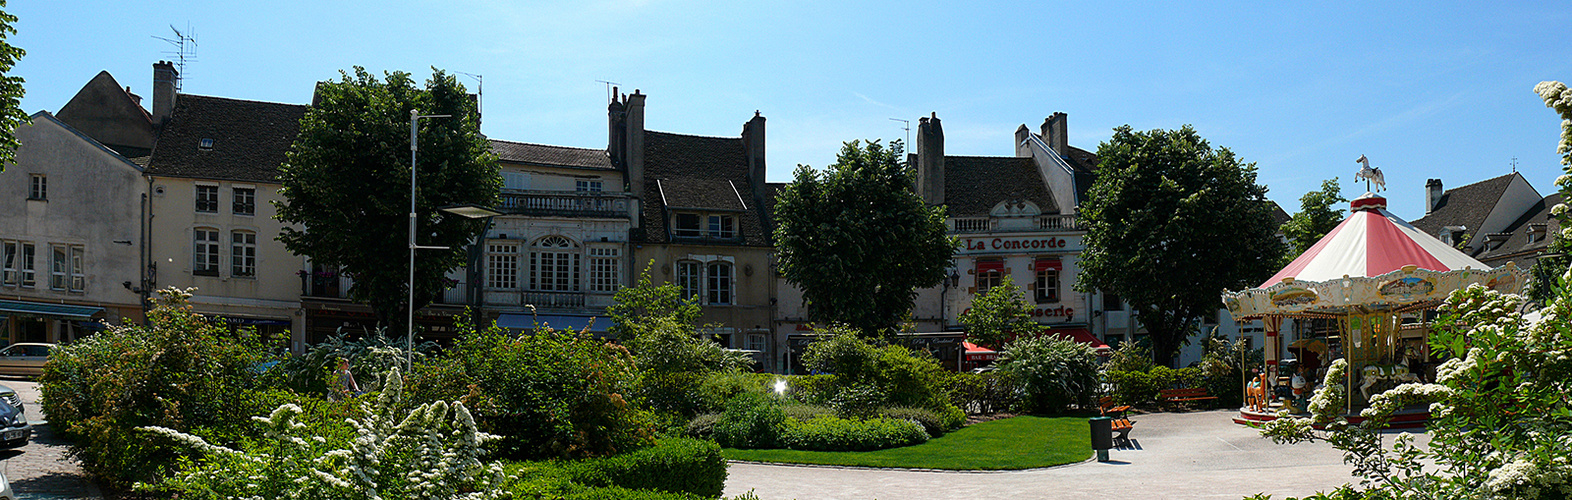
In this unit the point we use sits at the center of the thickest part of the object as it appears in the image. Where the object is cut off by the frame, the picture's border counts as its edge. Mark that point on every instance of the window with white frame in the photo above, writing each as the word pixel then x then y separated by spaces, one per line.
pixel 77 268
pixel 245 201
pixel 242 253
pixel 686 226
pixel 723 227
pixel 29 278
pixel 207 199
pixel 59 273
pixel 8 261
pixel 589 186
pixel 718 283
pixel 502 265
pixel 1047 285
pixel 604 269
pixel 989 279
pixel 38 187
pixel 204 252
pixel 554 265
pixel 756 342
pixel 517 181
pixel 688 276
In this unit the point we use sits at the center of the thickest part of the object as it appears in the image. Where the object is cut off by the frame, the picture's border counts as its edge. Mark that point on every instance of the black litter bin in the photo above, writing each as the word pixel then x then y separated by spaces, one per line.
pixel 1102 432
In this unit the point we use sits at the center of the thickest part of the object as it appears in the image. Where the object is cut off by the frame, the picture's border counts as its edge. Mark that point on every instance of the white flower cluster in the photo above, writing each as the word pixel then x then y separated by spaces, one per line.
pixel 1559 98
pixel 433 453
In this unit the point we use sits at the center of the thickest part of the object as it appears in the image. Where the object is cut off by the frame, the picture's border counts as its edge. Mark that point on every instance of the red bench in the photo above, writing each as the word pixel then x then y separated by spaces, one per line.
pixel 1121 424
pixel 1173 396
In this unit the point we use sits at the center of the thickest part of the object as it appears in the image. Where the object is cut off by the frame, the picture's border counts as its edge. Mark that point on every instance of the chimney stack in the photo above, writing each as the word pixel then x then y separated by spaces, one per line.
pixel 930 159
pixel 1432 195
pixel 1056 133
pixel 753 143
pixel 164 78
pixel 617 130
pixel 633 137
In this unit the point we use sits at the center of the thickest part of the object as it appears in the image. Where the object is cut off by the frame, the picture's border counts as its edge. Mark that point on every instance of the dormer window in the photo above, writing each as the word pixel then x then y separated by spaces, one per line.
pixel 687 226
pixel 1536 232
pixel 723 227
pixel 205 145
pixel 704 226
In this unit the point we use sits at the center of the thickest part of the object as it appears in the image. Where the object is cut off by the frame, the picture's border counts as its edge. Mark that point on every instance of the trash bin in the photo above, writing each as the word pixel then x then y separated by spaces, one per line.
pixel 1102 436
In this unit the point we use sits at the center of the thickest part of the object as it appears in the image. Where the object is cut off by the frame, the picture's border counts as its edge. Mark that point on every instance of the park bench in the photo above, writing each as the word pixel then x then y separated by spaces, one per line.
pixel 1177 396
pixel 1121 424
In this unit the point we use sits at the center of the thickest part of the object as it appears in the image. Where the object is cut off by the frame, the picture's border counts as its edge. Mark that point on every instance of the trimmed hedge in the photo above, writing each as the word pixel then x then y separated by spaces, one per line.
pixel 1138 388
pixel 839 434
pixel 676 465
pixel 935 423
pixel 750 421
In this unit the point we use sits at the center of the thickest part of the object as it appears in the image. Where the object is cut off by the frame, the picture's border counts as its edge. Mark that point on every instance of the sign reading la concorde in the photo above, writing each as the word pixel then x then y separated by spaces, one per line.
pixel 1024 244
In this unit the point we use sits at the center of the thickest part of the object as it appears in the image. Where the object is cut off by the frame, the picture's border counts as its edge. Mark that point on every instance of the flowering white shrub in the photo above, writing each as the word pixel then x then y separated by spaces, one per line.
pixel 432 452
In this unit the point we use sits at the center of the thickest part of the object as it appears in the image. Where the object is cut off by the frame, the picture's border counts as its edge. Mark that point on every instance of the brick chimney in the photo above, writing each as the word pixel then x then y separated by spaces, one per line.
pixel 633 147
pixel 753 144
pixel 164 79
pixel 1056 133
pixel 930 159
pixel 1432 195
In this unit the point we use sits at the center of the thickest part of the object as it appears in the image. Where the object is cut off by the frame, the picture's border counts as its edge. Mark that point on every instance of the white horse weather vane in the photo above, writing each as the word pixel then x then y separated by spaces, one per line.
pixel 1370 175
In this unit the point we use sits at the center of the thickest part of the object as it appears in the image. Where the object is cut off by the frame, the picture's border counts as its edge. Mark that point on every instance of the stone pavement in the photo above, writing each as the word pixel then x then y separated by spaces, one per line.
pixel 1174 455
pixel 41 470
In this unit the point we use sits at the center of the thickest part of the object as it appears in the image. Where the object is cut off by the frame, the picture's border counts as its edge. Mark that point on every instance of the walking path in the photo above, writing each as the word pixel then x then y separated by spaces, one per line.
pixel 1174 455
pixel 41 470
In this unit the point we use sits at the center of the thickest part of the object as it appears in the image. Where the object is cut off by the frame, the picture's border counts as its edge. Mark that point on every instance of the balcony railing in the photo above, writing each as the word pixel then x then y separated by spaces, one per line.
pixel 566 204
pixel 550 300
pixel 1039 223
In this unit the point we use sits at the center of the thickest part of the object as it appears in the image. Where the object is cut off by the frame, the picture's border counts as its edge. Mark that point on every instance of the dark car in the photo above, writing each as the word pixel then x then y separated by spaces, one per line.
pixel 15 430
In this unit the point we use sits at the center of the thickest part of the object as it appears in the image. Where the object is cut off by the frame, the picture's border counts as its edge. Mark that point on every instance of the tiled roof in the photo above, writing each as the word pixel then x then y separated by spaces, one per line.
pixel 249 138
pixel 1085 165
pixel 551 156
pixel 1278 214
pixel 973 185
pixel 1517 244
pixel 695 170
pixel 1466 206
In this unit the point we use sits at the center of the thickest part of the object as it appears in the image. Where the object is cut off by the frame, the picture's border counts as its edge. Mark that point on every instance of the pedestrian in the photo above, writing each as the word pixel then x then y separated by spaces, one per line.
pixel 346 380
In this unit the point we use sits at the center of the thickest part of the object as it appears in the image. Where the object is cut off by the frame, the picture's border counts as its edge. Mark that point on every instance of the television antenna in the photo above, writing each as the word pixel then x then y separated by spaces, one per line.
pixel 1514 164
pixel 185 51
pixel 907 126
pixel 609 97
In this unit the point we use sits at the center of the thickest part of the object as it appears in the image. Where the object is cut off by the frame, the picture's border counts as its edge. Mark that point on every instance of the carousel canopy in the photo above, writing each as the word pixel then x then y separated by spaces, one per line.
pixel 1373 261
pixel 1372 242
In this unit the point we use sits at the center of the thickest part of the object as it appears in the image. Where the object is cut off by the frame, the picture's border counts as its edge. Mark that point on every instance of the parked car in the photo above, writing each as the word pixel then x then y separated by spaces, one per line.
pixel 15 430
pixel 9 395
pixel 25 358
pixel 5 488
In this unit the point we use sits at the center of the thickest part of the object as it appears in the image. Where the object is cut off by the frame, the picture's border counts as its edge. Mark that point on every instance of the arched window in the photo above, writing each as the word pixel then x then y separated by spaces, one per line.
pixel 554 265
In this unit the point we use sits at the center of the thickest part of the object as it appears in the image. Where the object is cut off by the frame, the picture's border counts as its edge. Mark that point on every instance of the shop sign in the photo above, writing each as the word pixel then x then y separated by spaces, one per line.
pixel 1066 312
pixel 1030 243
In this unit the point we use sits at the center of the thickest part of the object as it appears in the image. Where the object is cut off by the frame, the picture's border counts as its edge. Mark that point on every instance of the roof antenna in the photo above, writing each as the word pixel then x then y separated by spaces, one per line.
pixel 1514 164
pixel 609 96
pixel 480 94
pixel 185 51
pixel 908 128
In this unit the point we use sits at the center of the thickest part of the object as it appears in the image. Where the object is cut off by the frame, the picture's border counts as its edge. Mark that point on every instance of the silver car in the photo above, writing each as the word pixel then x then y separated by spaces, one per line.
pixel 24 358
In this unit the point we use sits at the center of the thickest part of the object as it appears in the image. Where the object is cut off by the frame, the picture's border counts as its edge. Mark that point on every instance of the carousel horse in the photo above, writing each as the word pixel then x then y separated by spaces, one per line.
pixel 1370 174
pixel 1255 394
pixel 1373 374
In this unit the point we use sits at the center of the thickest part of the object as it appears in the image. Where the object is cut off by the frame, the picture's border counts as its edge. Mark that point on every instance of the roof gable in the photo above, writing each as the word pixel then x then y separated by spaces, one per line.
pixel 1467 206
pixel 695 173
pixel 249 139
pixel 110 115
pixel 44 119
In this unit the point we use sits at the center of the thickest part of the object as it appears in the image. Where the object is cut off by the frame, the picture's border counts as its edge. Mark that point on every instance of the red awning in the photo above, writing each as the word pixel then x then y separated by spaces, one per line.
pixel 1048 263
pixel 989 265
pixel 976 352
pixel 1081 335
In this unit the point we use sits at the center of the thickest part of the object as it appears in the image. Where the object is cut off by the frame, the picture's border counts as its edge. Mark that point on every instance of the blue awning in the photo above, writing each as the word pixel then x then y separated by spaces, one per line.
pixel 557 321
pixel 44 309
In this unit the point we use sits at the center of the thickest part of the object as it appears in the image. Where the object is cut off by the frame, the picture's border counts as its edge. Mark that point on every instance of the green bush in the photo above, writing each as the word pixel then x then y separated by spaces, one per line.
pixel 673 465
pixel 1138 388
pixel 370 357
pixel 868 376
pixel 750 421
pixel 180 372
pixel 703 426
pixel 1130 357
pixel 549 394
pixel 839 434
pixel 811 389
pixel 805 412
pixel 930 420
pixel 983 393
pixel 1055 372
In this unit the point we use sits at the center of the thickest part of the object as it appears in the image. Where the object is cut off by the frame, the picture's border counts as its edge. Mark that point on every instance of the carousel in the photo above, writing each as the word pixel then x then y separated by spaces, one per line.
pixel 1364 292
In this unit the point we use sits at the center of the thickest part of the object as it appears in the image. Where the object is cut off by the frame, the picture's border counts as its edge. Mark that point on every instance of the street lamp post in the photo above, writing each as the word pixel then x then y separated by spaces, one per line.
pixel 414 131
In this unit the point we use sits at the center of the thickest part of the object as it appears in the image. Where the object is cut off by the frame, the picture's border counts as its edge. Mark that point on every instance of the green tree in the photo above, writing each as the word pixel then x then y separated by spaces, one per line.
pixel 1171 223
pixel 858 240
pixel 639 308
pixel 11 114
pixel 346 181
pixel 1318 215
pixel 1547 270
pixel 998 316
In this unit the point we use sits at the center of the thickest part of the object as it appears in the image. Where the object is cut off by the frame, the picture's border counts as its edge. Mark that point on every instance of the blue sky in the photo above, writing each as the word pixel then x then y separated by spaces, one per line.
pixel 1425 89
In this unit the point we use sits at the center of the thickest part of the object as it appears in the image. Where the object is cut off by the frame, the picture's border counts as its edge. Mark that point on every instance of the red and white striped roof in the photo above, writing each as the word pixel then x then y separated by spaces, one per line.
pixel 1372 242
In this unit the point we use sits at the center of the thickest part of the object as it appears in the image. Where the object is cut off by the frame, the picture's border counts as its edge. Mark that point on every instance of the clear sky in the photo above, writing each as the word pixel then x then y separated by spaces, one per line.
pixel 1424 89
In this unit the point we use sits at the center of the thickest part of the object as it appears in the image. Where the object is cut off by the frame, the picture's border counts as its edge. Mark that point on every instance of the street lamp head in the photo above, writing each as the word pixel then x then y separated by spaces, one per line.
pixel 470 210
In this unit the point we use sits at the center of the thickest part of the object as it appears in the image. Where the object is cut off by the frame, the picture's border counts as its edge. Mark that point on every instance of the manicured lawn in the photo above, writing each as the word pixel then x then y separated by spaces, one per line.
pixel 1014 443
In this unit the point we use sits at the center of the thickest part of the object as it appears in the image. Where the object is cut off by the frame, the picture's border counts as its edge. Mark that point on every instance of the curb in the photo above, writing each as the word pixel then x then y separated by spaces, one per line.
pixel 1089 460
